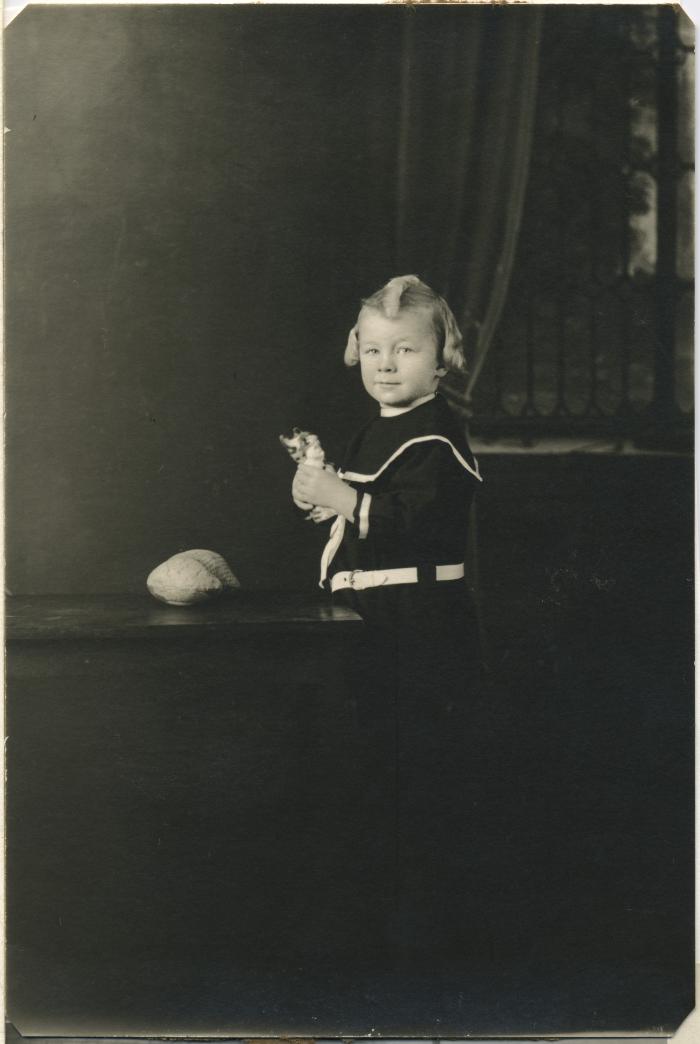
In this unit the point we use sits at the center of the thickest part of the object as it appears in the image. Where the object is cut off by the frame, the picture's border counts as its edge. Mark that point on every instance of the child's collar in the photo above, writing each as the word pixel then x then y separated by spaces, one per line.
pixel 394 411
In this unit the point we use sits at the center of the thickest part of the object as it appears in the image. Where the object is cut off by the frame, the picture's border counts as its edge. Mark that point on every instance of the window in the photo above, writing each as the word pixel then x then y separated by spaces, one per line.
pixel 597 330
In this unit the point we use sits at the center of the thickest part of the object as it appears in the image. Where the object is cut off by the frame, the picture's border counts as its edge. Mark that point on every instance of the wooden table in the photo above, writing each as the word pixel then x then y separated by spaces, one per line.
pixel 190 832
pixel 204 837
pixel 100 617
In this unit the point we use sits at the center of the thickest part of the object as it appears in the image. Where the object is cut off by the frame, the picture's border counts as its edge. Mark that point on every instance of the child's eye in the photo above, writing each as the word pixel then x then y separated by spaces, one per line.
pixel 405 348
pixel 369 351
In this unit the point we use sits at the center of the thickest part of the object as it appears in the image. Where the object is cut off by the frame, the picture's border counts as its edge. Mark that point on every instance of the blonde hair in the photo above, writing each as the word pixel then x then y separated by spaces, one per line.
pixel 405 293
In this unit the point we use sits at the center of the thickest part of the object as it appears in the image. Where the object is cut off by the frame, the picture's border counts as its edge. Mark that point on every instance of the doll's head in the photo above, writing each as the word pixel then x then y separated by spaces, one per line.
pixel 410 294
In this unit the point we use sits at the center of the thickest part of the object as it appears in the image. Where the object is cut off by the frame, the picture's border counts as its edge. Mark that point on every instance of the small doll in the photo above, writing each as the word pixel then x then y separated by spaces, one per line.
pixel 305 448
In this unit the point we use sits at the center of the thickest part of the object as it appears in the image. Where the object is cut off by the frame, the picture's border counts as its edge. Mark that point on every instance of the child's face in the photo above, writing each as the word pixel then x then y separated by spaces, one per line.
pixel 398 357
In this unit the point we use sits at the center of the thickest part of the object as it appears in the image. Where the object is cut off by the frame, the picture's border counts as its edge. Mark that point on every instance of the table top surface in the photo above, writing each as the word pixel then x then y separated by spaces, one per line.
pixel 53 617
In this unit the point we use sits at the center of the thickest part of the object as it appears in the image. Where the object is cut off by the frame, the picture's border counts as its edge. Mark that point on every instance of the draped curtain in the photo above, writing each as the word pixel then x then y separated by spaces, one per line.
pixel 467 99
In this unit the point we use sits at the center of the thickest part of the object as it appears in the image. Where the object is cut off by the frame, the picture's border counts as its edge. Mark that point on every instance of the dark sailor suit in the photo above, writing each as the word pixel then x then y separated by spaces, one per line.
pixel 415 477
pixel 400 564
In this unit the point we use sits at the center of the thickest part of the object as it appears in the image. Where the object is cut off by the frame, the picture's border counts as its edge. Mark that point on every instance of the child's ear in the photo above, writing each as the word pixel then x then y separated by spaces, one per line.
pixel 441 371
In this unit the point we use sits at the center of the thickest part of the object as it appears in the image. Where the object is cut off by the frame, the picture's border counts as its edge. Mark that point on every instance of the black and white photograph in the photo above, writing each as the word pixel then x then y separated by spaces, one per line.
pixel 349 519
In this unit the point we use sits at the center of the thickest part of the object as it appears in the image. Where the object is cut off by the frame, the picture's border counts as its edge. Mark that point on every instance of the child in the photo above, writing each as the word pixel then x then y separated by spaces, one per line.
pixel 396 553
pixel 409 476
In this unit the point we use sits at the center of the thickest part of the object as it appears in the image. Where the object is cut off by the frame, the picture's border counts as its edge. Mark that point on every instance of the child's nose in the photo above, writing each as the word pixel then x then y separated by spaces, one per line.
pixel 386 361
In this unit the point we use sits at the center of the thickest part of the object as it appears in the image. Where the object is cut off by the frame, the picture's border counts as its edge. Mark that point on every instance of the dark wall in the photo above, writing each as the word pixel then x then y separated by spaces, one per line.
pixel 196 199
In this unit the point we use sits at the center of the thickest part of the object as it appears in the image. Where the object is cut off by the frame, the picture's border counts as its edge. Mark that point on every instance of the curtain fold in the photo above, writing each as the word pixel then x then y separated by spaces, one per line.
pixel 467 101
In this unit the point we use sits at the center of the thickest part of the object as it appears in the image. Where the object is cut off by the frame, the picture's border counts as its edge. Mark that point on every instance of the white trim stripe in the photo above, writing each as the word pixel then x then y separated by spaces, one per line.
pixel 356 476
pixel 363 517
pixel 334 541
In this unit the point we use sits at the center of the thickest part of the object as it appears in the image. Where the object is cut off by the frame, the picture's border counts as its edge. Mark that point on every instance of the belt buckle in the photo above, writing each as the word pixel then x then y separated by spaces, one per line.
pixel 351 577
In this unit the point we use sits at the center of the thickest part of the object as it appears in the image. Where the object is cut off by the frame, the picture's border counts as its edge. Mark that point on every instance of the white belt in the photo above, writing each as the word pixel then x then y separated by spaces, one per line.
pixel 359 579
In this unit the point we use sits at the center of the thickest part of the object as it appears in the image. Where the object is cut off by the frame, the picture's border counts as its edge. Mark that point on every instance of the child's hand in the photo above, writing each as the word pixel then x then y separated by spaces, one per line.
pixel 323 489
pixel 302 504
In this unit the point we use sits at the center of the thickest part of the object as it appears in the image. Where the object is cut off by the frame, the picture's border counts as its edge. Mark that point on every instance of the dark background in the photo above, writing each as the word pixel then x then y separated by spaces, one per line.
pixel 195 206
pixel 196 201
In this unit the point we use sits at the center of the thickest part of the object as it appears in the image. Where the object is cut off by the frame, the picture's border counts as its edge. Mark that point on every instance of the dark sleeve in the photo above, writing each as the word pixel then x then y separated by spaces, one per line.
pixel 420 489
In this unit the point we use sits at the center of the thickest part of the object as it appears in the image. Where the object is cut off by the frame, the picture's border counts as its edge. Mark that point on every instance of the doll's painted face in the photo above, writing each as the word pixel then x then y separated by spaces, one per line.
pixel 398 357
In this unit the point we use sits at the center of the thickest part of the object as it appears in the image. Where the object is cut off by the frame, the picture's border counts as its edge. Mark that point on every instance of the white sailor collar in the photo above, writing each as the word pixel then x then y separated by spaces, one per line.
pixel 356 476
